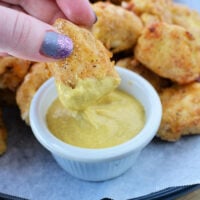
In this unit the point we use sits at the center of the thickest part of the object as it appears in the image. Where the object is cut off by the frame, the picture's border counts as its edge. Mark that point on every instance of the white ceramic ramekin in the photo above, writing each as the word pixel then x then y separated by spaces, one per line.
pixel 98 164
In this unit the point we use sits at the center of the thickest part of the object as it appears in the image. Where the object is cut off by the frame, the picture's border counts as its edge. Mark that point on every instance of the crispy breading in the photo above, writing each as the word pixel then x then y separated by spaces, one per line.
pixel 117 28
pixel 158 8
pixel 134 65
pixel 181 111
pixel 187 18
pixel 170 51
pixel 89 61
pixel 12 72
pixel 149 19
pixel 38 74
pixel 3 135
pixel 89 58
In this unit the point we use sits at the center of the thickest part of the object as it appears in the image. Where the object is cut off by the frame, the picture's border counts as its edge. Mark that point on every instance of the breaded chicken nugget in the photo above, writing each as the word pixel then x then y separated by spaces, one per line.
pixel 87 74
pixel 181 111
pixel 117 28
pixel 149 19
pixel 170 51
pixel 158 8
pixel 134 65
pixel 12 72
pixel 3 135
pixel 38 74
pixel 187 18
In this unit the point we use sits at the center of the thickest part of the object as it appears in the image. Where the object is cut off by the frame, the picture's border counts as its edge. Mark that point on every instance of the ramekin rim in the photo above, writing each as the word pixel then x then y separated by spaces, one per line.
pixel 56 146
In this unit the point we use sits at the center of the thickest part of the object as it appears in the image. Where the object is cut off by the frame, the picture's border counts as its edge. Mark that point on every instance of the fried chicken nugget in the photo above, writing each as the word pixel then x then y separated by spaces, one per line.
pixel 187 18
pixel 158 9
pixel 170 51
pixel 134 65
pixel 3 135
pixel 117 28
pixel 181 111
pixel 12 72
pixel 87 74
pixel 38 74
pixel 149 19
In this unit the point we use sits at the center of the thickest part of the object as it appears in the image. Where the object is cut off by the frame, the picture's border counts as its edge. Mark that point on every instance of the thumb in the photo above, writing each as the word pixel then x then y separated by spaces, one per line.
pixel 28 38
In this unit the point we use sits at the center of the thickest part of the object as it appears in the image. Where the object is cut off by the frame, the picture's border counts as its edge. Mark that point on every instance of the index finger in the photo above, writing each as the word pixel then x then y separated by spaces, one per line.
pixel 45 10
pixel 78 11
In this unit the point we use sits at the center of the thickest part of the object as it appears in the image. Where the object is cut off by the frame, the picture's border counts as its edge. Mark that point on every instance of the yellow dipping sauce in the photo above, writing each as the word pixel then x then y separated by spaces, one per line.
pixel 113 120
pixel 86 93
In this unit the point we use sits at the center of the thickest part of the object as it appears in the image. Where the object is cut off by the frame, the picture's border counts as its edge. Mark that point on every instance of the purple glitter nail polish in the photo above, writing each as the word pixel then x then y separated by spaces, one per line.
pixel 56 45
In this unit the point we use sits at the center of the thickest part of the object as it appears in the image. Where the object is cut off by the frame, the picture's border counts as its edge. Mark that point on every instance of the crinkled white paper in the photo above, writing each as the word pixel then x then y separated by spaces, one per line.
pixel 29 171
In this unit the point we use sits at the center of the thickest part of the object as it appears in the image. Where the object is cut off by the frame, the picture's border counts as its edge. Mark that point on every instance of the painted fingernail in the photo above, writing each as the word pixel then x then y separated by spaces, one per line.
pixel 56 45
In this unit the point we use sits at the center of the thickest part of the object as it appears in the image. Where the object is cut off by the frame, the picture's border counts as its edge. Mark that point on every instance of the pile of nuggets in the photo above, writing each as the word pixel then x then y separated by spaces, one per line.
pixel 158 39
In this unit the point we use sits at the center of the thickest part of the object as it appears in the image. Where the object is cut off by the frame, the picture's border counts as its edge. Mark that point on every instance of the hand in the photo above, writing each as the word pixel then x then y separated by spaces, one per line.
pixel 26 30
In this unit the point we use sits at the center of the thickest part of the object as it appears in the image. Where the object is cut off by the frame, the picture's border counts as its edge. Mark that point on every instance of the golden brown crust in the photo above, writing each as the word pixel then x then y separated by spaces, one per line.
pixel 149 19
pixel 187 18
pixel 89 58
pixel 181 111
pixel 184 16
pixel 12 72
pixel 170 51
pixel 159 9
pixel 134 65
pixel 3 135
pixel 117 28
pixel 38 74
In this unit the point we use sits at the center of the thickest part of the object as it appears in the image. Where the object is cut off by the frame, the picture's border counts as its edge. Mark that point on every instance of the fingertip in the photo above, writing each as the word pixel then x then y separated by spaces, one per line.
pixel 79 12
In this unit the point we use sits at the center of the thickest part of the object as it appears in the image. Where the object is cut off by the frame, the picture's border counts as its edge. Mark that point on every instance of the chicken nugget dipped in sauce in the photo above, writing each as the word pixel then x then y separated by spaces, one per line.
pixel 87 74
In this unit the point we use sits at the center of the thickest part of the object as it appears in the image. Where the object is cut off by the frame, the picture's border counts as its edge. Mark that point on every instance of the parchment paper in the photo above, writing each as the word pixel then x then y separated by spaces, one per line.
pixel 29 171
